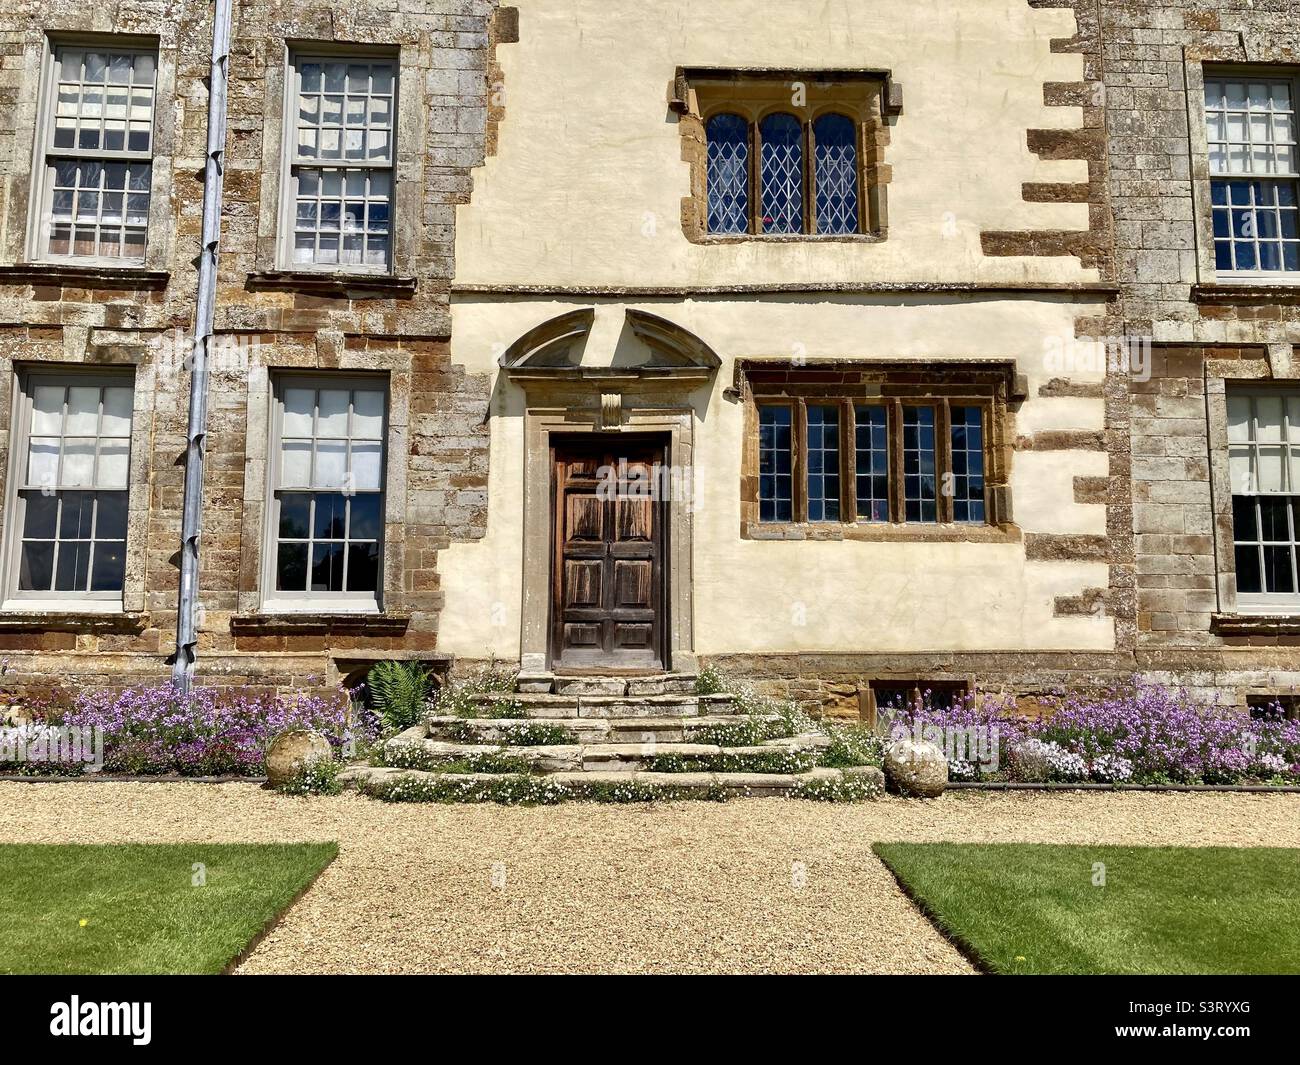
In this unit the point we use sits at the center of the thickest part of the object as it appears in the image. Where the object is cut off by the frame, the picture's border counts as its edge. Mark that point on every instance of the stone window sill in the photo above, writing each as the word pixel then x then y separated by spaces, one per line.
pixel 319 624
pixel 1255 624
pixel 791 238
pixel 69 275
pixel 73 621
pixel 335 283
pixel 882 532
pixel 1226 293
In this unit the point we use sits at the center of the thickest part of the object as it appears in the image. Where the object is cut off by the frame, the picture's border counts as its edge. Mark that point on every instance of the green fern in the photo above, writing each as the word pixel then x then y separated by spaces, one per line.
pixel 398 692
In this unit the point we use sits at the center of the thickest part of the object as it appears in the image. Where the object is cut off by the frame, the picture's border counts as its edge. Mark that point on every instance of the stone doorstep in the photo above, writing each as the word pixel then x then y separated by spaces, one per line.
pixel 655 684
pixel 570 699
pixel 589 686
pixel 550 707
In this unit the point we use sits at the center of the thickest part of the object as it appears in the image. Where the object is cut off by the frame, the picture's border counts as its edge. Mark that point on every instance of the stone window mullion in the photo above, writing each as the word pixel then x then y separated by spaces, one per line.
pixel 896 504
pixel 943 460
pixel 848 461
pixel 799 460
pixel 809 178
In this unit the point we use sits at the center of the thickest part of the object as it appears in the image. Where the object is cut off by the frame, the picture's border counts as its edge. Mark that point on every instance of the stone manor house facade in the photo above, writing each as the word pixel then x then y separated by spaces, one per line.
pixel 859 349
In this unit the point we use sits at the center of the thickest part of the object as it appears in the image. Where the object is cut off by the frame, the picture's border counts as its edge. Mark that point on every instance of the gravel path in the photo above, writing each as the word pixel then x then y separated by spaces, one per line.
pixel 676 887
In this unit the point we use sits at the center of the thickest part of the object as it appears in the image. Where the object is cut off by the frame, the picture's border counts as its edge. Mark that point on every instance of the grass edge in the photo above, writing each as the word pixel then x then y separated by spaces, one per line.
pixel 244 952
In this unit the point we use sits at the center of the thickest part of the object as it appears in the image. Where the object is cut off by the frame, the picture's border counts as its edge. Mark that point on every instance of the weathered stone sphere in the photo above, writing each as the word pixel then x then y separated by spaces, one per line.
pixel 291 750
pixel 919 769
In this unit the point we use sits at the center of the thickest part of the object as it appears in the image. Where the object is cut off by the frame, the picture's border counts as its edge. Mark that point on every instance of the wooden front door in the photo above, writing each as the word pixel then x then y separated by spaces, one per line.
pixel 607 586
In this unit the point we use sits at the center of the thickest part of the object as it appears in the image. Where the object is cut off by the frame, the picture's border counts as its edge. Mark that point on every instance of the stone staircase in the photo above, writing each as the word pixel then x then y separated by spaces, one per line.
pixel 651 730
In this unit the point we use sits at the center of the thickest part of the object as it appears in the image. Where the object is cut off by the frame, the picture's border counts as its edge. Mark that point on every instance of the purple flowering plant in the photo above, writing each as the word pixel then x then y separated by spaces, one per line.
pixel 1139 733
pixel 210 731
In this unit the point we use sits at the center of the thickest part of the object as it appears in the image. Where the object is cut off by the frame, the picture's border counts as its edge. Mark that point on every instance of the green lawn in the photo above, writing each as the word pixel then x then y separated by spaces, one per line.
pixel 1033 908
pixel 131 908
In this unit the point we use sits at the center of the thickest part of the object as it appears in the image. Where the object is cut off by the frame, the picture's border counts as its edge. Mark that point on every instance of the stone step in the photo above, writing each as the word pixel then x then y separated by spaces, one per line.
pixel 751 784
pixel 584 757
pixel 594 729
pixel 550 705
pixel 635 757
pixel 650 684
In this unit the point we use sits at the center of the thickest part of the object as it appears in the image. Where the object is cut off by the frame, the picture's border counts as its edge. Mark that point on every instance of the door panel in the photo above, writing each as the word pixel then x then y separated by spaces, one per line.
pixel 607 601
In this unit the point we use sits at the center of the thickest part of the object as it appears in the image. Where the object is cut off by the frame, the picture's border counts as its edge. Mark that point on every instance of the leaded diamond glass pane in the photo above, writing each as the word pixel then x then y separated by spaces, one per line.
pixel 728 177
pixel 836 173
pixel 782 174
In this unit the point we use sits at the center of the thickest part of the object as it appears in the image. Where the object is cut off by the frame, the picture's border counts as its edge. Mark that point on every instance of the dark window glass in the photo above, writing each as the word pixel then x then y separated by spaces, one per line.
pixel 1278 573
pixel 291 568
pixel 110 518
pixel 36 570
pixel 330 522
pixel 64 535
pixel 109 568
pixel 364 520
pixel 327 567
pixel 73 566
pixel 1255 224
pixel 42 516
pixel 363 567
pixel 1264 530
pixel 295 515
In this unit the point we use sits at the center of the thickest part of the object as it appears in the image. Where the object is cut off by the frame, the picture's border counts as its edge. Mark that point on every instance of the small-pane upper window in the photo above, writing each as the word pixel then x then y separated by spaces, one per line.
pixel 71 495
pixel 1264 470
pixel 327 497
pixel 1251 131
pixel 94 190
pixel 342 171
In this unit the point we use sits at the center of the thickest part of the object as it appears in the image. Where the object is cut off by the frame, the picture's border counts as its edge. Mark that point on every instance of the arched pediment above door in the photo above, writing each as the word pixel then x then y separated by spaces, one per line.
pixel 553 351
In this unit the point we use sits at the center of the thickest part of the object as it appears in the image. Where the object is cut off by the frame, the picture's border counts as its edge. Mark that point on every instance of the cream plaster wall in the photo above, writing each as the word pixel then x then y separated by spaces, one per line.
pixel 587 183
pixel 766 596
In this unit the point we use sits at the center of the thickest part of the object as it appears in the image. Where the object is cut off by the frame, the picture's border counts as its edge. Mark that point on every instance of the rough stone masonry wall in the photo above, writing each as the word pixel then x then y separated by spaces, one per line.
pixel 266 319
pixel 1152 56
